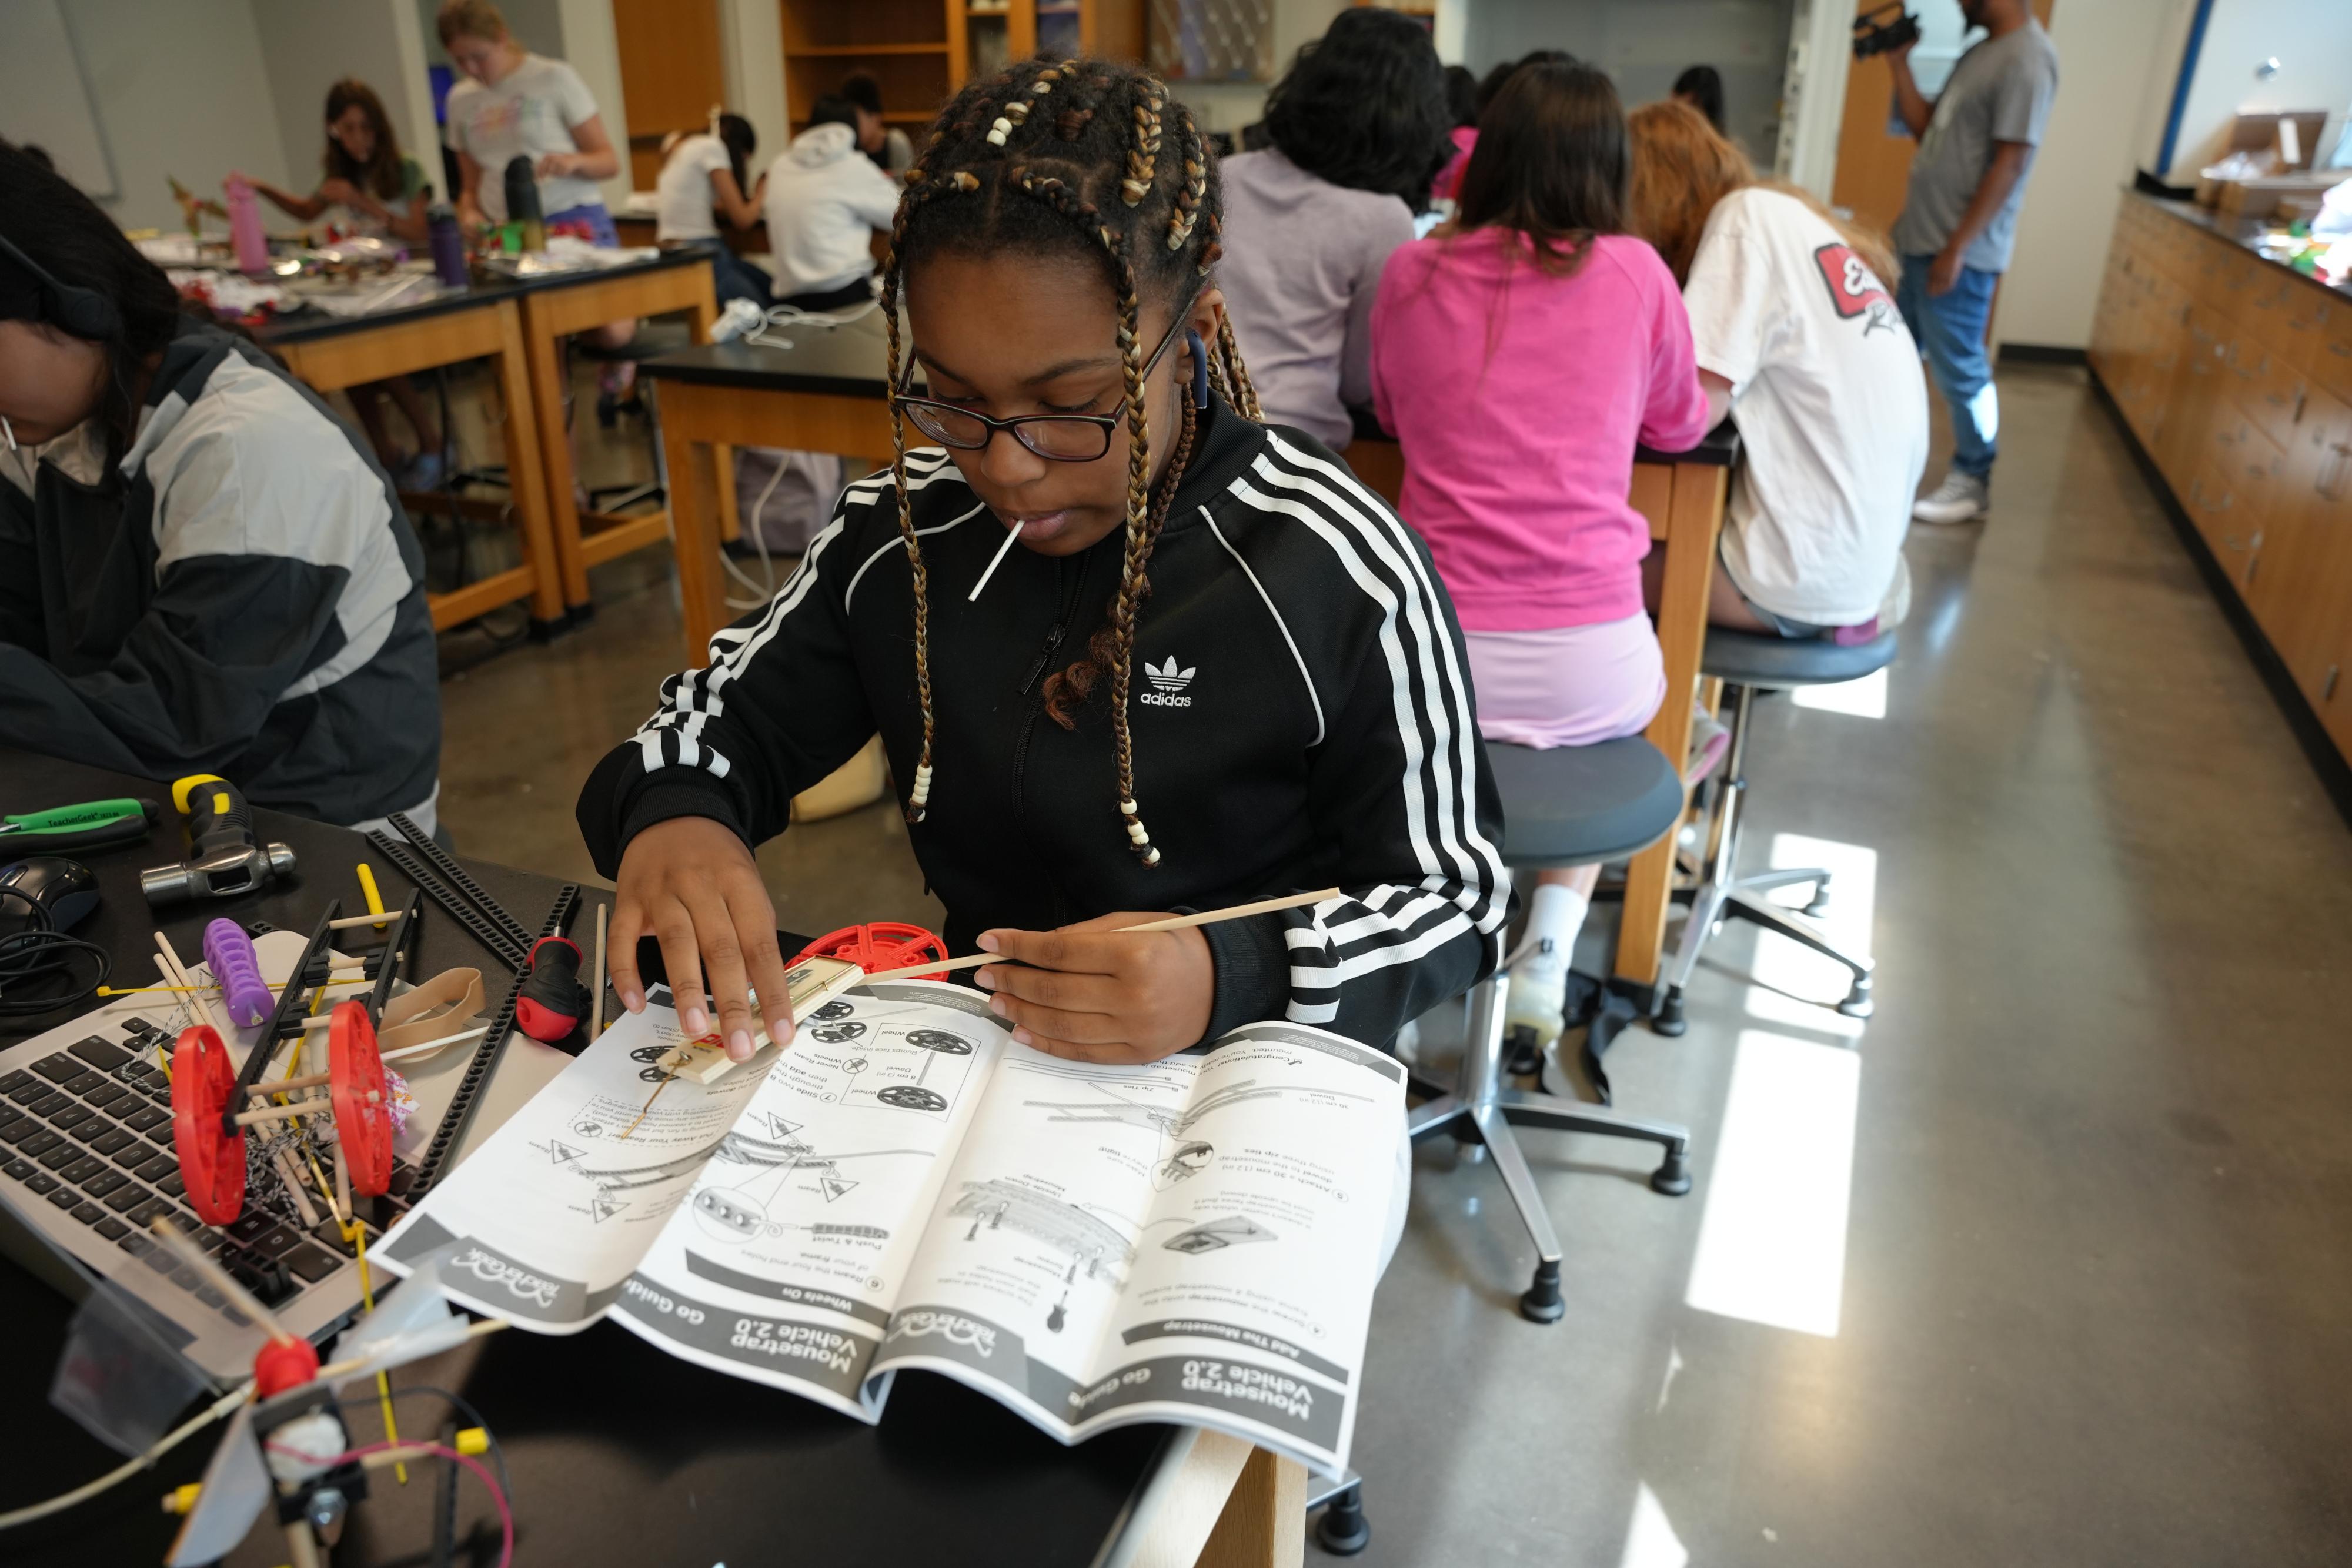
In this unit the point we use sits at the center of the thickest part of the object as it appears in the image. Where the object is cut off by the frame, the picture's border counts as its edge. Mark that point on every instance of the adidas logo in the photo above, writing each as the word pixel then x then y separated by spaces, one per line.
pixel 1167 681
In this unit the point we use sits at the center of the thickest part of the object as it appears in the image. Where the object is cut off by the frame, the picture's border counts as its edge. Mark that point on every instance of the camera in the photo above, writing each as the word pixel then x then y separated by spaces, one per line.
pixel 1872 36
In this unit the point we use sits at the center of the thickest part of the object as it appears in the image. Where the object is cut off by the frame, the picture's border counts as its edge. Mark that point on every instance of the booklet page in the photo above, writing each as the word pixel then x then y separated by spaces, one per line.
pixel 1190 1240
pixel 553 1212
pixel 793 1244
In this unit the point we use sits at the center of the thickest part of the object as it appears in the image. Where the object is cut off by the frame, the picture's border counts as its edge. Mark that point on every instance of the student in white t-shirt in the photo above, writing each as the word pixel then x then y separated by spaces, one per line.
pixel 701 186
pixel 514 104
pixel 1799 339
pixel 825 201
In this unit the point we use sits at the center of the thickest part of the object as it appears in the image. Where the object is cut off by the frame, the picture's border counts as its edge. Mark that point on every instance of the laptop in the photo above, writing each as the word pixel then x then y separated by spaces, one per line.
pixel 87 1167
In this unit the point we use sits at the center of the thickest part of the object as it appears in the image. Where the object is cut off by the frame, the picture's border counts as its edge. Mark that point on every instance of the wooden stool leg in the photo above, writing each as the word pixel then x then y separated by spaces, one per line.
pixel 1265 1522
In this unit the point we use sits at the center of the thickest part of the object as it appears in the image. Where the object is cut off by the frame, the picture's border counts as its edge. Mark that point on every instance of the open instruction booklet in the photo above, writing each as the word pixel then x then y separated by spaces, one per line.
pixel 1194 1239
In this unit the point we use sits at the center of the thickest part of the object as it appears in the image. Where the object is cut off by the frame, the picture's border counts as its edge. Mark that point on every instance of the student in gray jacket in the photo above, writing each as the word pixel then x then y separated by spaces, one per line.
pixel 202 570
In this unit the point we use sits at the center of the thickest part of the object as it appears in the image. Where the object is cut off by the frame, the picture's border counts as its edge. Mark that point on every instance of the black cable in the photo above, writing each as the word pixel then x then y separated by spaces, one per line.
pixel 43 953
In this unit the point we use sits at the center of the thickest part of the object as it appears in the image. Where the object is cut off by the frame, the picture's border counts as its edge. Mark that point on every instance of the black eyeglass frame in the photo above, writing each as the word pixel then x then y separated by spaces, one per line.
pixel 1107 424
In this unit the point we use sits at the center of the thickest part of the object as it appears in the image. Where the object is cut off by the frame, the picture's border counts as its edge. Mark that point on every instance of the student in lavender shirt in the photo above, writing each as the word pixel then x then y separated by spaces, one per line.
pixel 1360 129
pixel 1960 224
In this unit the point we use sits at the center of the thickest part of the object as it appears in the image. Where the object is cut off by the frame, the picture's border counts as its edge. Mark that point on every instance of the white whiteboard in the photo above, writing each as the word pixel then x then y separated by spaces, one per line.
pixel 43 98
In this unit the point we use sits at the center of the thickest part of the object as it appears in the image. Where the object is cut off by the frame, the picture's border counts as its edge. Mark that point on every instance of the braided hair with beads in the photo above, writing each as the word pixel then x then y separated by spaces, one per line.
pixel 1047 155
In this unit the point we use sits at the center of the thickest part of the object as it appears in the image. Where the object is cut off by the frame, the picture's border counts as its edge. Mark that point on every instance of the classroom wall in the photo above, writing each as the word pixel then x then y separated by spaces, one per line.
pixel 751 41
pixel 178 88
pixel 2110 61
pixel 2312 40
pixel 1645 45
pixel 306 48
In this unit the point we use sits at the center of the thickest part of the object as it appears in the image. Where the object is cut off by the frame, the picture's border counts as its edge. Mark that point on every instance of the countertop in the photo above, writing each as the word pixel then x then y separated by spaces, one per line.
pixel 2247 234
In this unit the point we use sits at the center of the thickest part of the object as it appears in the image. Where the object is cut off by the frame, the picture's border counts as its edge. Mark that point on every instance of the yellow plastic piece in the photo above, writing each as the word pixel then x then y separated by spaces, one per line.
pixel 181 787
pixel 182 1498
pixel 367 886
pixel 473 1441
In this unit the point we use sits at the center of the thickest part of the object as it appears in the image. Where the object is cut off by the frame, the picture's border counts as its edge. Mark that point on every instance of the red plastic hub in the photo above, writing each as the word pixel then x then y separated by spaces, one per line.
pixel 284 1364
pixel 879 945
pixel 212 1158
pixel 362 1102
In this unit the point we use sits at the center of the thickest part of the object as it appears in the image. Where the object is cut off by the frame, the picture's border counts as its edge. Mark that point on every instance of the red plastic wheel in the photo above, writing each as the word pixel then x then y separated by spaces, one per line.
pixel 879 945
pixel 362 1125
pixel 212 1160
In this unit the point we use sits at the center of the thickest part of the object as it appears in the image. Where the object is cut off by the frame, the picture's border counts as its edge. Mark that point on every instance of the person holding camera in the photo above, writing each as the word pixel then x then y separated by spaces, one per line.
pixel 1960 223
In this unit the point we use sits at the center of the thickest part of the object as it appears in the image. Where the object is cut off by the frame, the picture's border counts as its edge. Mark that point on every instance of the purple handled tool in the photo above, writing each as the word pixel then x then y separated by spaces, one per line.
pixel 228 952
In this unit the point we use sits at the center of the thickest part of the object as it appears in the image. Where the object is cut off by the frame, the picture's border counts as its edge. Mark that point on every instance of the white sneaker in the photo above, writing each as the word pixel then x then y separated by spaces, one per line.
pixel 1539 994
pixel 1959 499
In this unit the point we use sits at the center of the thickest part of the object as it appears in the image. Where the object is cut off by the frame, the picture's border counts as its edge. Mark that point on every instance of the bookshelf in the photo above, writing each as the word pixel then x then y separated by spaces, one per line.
pixel 921 51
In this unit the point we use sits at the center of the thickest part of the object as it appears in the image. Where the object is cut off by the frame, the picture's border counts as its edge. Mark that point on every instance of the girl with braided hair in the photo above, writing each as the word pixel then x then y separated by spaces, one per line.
pixel 1214 668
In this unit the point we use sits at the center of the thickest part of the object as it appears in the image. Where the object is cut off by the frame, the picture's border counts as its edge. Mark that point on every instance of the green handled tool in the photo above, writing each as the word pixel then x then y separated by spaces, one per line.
pixel 94 824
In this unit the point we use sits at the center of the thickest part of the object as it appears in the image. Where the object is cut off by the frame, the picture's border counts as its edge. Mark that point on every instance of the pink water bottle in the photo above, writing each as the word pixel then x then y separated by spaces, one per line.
pixel 245 227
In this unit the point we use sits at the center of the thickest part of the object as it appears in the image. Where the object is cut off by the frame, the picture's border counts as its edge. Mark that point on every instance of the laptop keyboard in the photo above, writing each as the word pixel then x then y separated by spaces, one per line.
pixel 88 1130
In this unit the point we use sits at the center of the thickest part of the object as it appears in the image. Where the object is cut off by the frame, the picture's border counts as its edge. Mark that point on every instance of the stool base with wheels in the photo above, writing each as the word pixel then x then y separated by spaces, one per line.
pixel 1573 806
pixel 1746 663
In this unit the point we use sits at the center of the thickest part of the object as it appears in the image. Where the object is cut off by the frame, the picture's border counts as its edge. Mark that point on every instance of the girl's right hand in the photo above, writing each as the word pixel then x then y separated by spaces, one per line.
pixel 693 885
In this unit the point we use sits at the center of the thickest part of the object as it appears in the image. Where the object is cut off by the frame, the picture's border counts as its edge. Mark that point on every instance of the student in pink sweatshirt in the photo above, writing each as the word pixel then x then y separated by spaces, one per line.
pixel 1520 353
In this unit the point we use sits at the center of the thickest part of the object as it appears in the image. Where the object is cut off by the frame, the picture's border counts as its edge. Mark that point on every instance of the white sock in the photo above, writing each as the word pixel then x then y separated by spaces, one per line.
pixel 1558 913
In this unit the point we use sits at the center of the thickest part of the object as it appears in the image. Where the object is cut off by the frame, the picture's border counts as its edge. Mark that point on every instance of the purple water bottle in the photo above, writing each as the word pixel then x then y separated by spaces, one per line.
pixel 448 245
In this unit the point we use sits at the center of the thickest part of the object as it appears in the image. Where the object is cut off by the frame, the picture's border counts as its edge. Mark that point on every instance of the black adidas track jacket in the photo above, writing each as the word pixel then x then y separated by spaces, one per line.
pixel 1301 712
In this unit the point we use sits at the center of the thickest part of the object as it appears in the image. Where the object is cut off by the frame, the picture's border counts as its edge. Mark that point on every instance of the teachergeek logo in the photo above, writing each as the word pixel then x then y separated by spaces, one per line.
pixel 1167 683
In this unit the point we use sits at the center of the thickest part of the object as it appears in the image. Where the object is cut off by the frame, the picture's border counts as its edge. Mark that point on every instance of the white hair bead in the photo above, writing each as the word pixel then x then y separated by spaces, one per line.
pixel 922 791
pixel 999 132
pixel 1152 858
pixel 1127 807
pixel 1135 831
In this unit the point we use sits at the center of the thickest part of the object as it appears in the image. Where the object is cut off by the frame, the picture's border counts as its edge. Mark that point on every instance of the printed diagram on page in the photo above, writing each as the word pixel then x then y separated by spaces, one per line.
pixel 766 1167
pixel 841 1141
pixel 1097 1249
pixel 1184 1151
pixel 854 1054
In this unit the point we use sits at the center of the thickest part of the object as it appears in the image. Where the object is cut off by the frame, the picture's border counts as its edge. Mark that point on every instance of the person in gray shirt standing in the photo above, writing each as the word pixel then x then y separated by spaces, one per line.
pixel 1960 224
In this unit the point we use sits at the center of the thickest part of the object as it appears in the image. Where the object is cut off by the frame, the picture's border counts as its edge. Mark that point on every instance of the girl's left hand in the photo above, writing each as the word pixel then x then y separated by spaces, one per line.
pixel 337 189
pixel 556 165
pixel 1093 992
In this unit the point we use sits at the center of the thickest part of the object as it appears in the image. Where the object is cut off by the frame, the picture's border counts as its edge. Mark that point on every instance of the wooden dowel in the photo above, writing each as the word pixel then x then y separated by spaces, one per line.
pixel 195 1256
pixel 353 921
pixel 596 1009
pixel 1173 923
pixel 421 1047
pixel 291 1176
pixel 342 1188
pixel 177 973
pixel 317 1105
pixel 335 1369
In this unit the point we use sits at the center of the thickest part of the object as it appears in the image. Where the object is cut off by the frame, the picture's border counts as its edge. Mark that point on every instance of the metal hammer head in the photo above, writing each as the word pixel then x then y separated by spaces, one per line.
pixel 225 874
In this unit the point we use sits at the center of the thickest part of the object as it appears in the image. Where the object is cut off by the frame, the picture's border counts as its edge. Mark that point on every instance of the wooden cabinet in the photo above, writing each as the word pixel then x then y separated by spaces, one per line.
pixel 921 51
pixel 2236 376
pixel 902 44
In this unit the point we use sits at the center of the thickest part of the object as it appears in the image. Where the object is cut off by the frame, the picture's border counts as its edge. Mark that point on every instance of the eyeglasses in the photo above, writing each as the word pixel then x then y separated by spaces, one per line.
pixel 1057 437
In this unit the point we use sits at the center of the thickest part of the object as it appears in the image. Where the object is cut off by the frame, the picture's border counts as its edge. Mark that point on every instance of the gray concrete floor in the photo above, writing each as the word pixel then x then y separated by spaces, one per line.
pixel 2069 1284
